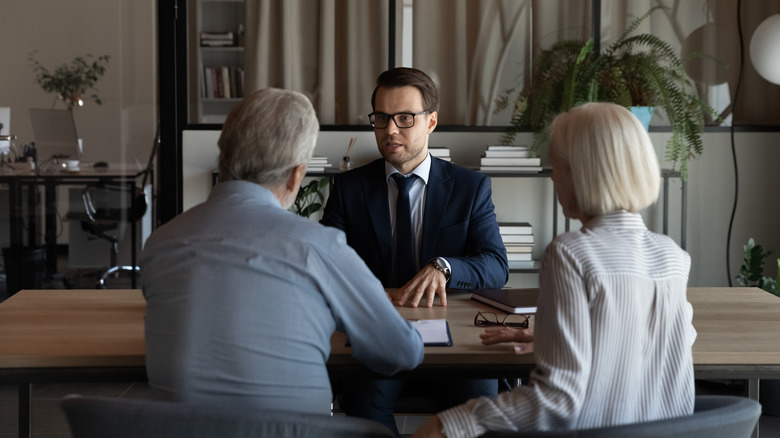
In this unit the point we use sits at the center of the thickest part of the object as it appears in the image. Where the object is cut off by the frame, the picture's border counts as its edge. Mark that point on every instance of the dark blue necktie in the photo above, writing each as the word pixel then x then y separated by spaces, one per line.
pixel 405 260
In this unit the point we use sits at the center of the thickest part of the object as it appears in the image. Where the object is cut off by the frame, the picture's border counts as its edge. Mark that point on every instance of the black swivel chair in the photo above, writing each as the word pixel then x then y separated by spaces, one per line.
pixel 106 208
pixel 109 205
pixel 99 417
pixel 714 417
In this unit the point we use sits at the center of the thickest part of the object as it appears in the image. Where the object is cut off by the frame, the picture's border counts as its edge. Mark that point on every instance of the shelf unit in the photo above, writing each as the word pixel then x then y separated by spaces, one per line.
pixel 666 175
pixel 215 16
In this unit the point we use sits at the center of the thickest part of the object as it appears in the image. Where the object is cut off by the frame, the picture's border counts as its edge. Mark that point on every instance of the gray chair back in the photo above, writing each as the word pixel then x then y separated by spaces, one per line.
pixel 100 417
pixel 713 417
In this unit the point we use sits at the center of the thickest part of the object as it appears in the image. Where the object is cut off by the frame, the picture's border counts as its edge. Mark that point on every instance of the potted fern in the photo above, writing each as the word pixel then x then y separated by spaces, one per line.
pixel 635 71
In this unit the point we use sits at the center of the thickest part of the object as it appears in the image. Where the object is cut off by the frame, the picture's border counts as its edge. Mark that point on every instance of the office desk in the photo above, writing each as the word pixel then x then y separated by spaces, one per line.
pixel 97 335
pixel 22 177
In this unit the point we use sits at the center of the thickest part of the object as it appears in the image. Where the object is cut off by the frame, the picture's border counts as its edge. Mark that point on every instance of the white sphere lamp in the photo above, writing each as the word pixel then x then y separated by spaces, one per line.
pixel 765 49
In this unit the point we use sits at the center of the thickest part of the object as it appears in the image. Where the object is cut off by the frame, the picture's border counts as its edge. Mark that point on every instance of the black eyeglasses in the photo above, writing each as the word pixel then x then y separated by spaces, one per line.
pixel 402 120
pixel 490 319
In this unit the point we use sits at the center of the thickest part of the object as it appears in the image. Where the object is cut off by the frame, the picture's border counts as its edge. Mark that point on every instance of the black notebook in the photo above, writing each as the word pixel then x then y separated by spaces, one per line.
pixel 509 300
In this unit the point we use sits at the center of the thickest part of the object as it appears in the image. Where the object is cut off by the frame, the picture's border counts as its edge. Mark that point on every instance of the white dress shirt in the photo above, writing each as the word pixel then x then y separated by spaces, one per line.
pixel 613 336
pixel 417 195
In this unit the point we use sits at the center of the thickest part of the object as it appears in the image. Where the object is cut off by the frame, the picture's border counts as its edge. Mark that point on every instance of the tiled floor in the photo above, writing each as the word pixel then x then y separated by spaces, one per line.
pixel 49 422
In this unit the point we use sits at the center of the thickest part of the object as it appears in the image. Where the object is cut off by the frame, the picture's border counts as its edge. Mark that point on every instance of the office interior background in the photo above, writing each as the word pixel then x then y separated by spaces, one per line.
pixel 122 129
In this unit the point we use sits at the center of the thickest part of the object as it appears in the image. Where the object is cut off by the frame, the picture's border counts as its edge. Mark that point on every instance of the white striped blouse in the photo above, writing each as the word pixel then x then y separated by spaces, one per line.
pixel 613 336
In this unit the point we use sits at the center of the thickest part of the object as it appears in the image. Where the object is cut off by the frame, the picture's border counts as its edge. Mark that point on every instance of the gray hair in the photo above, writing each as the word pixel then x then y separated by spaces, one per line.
pixel 266 135
pixel 612 160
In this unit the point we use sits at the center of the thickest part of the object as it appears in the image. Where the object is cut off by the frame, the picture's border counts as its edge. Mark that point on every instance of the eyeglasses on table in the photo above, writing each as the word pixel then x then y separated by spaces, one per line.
pixel 490 319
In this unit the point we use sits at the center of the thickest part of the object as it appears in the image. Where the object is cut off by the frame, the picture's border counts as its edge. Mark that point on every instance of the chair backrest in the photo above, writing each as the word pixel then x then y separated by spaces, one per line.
pixel 114 202
pixel 713 417
pixel 99 417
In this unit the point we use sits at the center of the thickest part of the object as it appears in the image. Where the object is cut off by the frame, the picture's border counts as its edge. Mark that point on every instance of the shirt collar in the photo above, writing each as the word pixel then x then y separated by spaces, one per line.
pixel 617 219
pixel 422 171
pixel 245 189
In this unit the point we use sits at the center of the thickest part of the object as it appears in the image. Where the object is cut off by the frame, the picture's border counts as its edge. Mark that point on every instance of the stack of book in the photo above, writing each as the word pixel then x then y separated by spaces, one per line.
pixel 318 164
pixel 442 153
pixel 518 239
pixel 223 83
pixel 509 159
pixel 217 39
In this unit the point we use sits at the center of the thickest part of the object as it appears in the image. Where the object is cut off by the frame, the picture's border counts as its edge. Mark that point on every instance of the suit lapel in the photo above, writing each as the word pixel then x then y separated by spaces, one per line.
pixel 375 195
pixel 439 190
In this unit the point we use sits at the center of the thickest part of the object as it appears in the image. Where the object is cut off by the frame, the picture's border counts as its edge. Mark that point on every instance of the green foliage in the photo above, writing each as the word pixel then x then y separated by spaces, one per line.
pixel 71 81
pixel 636 70
pixel 310 198
pixel 751 273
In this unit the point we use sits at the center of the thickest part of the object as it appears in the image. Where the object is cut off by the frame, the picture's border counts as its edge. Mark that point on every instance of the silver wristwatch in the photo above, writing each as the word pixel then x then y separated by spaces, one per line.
pixel 442 266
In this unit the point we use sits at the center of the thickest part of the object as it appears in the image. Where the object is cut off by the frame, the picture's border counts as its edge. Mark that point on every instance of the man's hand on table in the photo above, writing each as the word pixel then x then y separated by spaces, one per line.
pixel 523 337
pixel 428 283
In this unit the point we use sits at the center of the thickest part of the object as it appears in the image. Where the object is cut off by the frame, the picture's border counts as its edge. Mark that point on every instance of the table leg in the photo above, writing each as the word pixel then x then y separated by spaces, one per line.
pixel 51 228
pixel 25 410
pixel 15 213
pixel 753 395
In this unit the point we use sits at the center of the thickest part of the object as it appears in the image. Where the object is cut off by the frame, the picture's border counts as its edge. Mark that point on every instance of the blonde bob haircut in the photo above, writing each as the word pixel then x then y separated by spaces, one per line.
pixel 266 135
pixel 613 163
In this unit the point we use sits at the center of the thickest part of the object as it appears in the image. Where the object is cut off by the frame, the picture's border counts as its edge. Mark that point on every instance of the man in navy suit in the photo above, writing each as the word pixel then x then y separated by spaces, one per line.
pixel 450 218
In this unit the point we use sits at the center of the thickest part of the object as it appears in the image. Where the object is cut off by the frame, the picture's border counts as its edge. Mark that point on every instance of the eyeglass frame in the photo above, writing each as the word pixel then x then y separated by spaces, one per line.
pixel 392 117
pixel 488 323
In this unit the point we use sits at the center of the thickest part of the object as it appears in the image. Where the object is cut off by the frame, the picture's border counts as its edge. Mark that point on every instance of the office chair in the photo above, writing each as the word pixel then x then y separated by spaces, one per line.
pixel 106 207
pixel 714 417
pixel 99 417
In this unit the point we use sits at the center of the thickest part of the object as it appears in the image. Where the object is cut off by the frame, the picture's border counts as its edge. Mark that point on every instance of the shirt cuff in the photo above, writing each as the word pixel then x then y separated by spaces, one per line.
pixel 459 422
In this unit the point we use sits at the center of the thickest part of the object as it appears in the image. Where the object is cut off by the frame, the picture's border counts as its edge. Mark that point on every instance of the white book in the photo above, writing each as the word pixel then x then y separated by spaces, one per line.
pixel 517 238
pixel 533 169
pixel 513 256
pixel 507 154
pixel 439 152
pixel 519 248
pixel 515 228
pixel 527 161
pixel 521 264
pixel 507 148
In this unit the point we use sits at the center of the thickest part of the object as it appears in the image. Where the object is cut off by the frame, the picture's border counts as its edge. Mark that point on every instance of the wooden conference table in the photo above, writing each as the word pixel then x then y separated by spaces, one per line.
pixel 98 335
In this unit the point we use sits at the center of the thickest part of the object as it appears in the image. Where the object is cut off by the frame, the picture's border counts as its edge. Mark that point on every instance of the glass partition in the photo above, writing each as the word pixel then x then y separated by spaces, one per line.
pixel 479 52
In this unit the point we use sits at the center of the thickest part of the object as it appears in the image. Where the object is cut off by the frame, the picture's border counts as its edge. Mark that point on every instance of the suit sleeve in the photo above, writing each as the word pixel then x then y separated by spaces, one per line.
pixel 333 215
pixel 484 265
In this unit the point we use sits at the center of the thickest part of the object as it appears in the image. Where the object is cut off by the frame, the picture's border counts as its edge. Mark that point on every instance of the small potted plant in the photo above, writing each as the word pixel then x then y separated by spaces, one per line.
pixel 70 82
pixel 310 198
pixel 635 71
pixel 751 274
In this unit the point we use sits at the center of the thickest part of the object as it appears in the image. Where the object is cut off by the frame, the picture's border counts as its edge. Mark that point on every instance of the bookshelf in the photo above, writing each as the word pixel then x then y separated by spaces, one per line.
pixel 666 175
pixel 216 69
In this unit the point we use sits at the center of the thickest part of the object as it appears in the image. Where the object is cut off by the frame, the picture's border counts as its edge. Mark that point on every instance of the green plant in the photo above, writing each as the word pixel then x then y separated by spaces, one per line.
pixel 70 82
pixel 636 70
pixel 751 273
pixel 310 198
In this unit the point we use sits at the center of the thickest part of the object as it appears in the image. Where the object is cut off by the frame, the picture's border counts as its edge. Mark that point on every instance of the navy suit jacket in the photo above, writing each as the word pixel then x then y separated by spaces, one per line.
pixel 459 223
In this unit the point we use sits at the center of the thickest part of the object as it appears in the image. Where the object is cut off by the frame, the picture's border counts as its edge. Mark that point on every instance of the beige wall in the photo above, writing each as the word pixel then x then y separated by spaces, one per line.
pixel 121 130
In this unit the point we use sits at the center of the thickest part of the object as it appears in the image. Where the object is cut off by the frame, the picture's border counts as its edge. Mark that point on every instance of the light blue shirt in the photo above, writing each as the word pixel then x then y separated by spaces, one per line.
pixel 242 299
